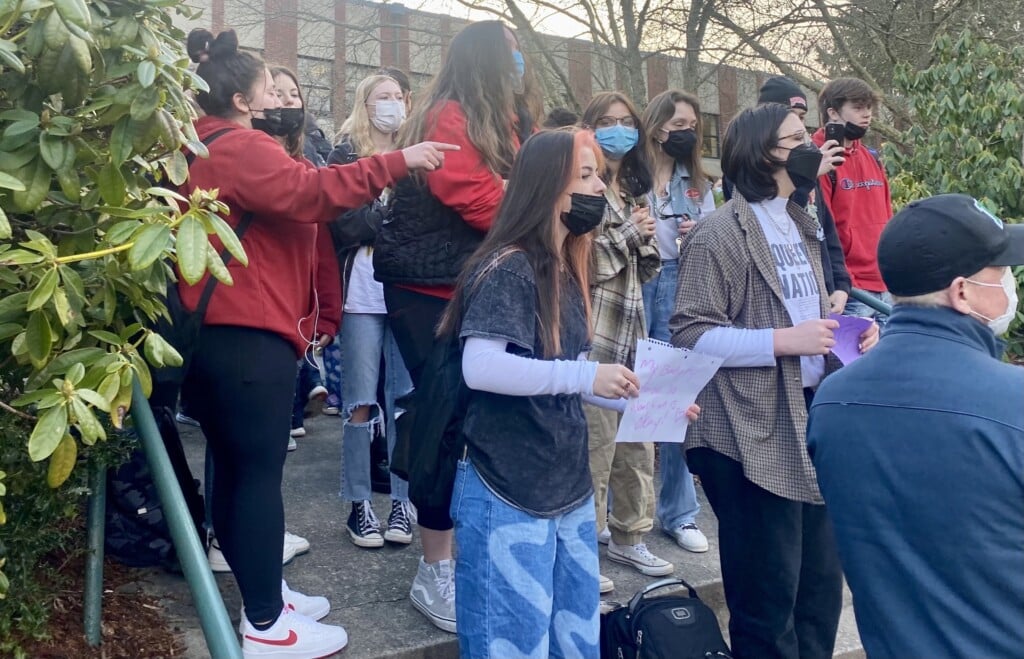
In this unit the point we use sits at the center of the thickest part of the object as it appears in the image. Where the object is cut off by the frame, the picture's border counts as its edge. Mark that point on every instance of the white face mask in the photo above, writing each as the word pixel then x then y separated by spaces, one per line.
pixel 388 115
pixel 1001 323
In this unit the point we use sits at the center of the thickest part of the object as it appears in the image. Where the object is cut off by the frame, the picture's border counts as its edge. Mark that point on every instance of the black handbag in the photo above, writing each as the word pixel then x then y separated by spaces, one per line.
pixel 671 626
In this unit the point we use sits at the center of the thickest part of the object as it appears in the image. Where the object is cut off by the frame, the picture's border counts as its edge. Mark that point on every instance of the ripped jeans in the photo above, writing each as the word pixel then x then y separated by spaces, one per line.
pixel 364 338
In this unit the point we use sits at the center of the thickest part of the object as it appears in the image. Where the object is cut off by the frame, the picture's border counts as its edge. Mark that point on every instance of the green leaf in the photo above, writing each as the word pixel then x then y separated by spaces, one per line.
pixel 87 423
pixel 31 397
pixel 110 386
pixel 107 337
pixel 49 430
pixel 74 11
pixel 121 232
pixel 62 462
pixel 229 238
pixel 150 244
pixel 62 306
pixel 63 362
pixel 43 290
pixel 9 57
pixel 55 34
pixel 215 264
pixel 53 150
pixel 21 127
pixel 11 183
pixel 7 330
pixel 176 167
pixel 5 226
pixel 111 184
pixel 38 338
pixel 142 370
pixel 146 73
pixel 145 104
pixel 35 191
pixel 154 350
pixel 75 373
pixel 191 249
pixel 121 140
pixel 94 399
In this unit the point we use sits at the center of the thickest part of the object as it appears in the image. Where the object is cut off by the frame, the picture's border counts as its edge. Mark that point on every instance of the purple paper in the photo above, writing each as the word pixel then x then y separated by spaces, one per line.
pixel 847 347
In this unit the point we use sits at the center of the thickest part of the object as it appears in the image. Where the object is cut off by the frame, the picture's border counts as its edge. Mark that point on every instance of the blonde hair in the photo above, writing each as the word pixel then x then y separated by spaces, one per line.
pixel 357 126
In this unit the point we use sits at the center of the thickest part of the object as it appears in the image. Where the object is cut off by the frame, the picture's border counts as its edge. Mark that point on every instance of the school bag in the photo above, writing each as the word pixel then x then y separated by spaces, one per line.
pixel 429 441
pixel 671 626
pixel 136 533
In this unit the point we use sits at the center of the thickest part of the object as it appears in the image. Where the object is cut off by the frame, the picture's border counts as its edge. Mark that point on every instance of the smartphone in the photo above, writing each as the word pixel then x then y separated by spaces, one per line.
pixel 834 132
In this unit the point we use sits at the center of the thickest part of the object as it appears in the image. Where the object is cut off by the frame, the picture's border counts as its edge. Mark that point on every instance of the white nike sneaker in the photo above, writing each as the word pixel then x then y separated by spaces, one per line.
pixel 292 636
pixel 311 606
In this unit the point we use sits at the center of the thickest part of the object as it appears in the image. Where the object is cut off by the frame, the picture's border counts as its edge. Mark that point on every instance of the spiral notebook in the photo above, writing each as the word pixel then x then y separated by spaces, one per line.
pixel 670 379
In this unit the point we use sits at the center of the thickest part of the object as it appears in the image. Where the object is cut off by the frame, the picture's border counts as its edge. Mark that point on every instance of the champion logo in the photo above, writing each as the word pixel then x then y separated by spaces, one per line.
pixel 291 639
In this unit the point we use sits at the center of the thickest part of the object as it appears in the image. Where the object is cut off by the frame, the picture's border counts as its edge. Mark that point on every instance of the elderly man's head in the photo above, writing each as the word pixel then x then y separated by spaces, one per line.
pixel 949 251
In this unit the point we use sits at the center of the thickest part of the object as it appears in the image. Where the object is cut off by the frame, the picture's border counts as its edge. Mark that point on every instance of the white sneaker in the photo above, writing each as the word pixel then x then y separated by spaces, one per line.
pixel 690 538
pixel 604 536
pixel 641 558
pixel 292 636
pixel 297 432
pixel 311 606
pixel 606 585
pixel 292 547
pixel 300 544
pixel 315 401
pixel 292 444
pixel 433 593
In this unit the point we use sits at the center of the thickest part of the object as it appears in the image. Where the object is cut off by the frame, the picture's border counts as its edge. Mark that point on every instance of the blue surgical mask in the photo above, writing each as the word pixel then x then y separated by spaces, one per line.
pixel 517 57
pixel 616 141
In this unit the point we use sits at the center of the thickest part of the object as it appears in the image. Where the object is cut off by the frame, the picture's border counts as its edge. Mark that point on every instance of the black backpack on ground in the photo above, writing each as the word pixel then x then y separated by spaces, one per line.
pixel 672 626
pixel 137 534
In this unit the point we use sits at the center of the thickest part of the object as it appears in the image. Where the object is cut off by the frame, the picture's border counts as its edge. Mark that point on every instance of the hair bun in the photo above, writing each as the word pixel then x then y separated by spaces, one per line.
pixel 225 45
pixel 199 45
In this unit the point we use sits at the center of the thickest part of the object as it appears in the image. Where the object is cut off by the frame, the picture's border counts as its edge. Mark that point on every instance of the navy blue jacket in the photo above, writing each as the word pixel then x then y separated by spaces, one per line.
pixel 919 450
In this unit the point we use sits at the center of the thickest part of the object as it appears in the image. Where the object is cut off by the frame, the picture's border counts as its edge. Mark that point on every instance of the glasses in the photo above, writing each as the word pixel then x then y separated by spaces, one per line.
pixel 664 211
pixel 609 121
pixel 799 135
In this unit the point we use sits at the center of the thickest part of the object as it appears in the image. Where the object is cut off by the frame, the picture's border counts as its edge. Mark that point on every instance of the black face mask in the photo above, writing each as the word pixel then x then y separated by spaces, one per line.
pixel 585 213
pixel 802 166
pixel 680 144
pixel 852 131
pixel 281 122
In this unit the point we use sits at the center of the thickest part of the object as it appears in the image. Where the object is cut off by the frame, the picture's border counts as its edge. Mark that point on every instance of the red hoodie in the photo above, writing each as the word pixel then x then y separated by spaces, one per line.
pixel 861 206
pixel 289 198
pixel 464 183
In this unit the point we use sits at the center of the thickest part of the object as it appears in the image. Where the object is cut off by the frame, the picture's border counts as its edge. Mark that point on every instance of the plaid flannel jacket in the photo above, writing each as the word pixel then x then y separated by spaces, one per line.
pixel 622 261
pixel 757 416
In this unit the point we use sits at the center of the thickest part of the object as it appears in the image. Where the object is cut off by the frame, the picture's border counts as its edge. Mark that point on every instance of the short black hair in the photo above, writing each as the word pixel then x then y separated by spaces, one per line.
pixel 561 118
pixel 747 159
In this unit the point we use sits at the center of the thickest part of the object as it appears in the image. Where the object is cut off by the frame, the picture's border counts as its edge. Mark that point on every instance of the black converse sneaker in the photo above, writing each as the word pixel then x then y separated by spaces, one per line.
pixel 400 523
pixel 363 526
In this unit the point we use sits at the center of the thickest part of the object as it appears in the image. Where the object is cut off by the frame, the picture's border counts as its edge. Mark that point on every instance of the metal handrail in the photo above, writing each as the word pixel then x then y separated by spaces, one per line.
pixel 221 640
pixel 871 301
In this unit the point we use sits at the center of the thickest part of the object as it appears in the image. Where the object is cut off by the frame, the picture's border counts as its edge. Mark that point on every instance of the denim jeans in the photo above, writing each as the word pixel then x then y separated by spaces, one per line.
pixel 525 586
pixel 858 308
pixel 677 499
pixel 332 369
pixel 364 337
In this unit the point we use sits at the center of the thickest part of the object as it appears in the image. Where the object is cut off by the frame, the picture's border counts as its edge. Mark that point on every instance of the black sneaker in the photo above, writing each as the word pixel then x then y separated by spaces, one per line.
pixel 363 526
pixel 400 523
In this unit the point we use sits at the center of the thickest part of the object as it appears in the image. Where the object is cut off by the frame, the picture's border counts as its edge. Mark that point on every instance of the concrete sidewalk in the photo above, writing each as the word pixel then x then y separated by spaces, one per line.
pixel 368 589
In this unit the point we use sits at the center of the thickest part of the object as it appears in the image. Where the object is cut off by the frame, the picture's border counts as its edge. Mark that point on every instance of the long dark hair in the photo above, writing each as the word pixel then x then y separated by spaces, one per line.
pixel 478 73
pixel 662 108
pixel 542 171
pixel 295 142
pixel 634 175
pixel 226 70
pixel 747 145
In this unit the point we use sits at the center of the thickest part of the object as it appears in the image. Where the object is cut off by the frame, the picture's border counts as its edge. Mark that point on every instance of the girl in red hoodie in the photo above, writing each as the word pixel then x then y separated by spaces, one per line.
pixel 242 376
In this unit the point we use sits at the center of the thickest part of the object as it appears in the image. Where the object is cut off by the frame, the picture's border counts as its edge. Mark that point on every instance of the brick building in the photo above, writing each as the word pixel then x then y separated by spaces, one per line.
pixel 333 44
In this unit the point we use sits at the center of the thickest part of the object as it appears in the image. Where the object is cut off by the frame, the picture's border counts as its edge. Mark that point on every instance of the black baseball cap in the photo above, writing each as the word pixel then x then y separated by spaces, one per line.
pixel 933 241
pixel 781 89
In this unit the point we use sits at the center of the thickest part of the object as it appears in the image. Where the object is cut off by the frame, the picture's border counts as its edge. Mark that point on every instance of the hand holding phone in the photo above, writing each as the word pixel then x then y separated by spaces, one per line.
pixel 834 131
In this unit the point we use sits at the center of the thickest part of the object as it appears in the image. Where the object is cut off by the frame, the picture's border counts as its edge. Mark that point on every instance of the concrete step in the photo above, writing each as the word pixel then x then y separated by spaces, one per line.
pixel 368 589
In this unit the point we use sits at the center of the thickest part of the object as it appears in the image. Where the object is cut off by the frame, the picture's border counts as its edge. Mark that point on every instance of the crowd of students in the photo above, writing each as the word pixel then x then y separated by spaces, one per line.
pixel 547 252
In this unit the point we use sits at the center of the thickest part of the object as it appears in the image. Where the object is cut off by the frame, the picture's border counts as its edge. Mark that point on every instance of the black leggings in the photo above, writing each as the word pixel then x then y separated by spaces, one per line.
pixel 413 317
pixel 240 388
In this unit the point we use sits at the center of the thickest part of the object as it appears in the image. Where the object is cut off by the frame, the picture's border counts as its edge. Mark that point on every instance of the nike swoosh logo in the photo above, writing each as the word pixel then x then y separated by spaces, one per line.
pixel 292 639
pixel 426 595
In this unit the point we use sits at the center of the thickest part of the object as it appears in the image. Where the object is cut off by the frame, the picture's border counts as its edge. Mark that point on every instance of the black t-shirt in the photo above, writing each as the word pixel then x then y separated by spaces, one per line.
pixel 530 450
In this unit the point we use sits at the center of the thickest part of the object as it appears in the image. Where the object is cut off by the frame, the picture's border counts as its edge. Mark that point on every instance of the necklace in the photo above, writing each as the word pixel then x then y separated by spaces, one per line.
pixel 784 227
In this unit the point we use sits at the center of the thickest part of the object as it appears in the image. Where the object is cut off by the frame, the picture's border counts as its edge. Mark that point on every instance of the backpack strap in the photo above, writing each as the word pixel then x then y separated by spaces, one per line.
pixel 225 255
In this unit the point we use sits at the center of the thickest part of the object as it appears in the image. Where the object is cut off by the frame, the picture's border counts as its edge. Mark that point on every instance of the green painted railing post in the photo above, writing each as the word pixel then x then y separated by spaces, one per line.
pixel 213 617
pixel 871 301
pixel 93 605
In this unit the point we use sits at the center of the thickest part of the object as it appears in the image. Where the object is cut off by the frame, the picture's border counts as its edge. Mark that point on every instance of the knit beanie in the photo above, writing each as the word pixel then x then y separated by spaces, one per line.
pixel 781 89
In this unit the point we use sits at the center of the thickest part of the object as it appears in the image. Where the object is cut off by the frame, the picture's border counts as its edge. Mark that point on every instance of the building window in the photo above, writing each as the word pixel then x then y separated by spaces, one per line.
pixel 317 78
pixel 712 141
